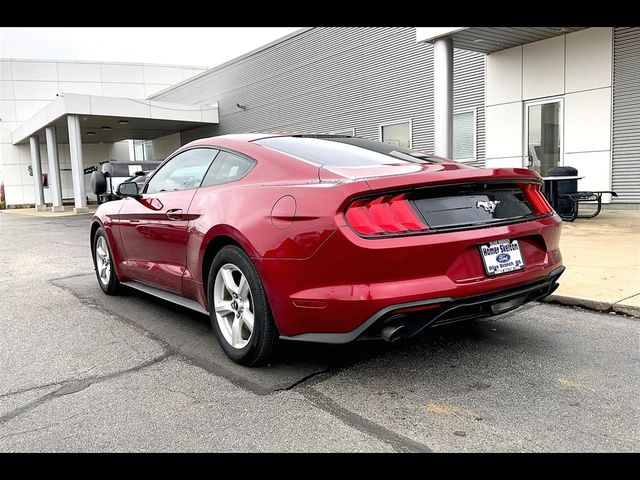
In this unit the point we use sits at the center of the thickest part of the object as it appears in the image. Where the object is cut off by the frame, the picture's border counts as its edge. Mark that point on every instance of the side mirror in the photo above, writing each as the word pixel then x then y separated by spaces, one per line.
pixel 128 189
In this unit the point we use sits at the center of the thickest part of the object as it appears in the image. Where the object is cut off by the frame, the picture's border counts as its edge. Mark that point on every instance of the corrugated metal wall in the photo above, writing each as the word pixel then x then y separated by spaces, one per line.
pixel 328 79
pixel 626 114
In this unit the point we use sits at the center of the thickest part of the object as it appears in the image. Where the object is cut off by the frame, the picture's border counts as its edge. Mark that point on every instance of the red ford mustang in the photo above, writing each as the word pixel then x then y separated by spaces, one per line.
pixel 327 239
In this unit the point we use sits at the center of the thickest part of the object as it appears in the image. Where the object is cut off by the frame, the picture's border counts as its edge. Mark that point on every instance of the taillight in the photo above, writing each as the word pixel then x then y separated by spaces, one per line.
pixel 537 199
pixel 388 214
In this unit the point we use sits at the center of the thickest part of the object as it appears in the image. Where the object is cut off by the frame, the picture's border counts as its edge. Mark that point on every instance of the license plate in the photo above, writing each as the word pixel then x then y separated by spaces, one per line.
pixel 501 256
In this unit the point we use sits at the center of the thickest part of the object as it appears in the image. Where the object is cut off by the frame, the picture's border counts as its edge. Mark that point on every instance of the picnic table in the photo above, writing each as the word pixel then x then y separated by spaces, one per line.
pixel 574 198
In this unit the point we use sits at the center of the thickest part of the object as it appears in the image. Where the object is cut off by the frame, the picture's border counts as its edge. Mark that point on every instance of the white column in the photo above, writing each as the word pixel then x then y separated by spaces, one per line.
pixel 55 185
pixel 34 143
pixel 443 96
pixel 77 164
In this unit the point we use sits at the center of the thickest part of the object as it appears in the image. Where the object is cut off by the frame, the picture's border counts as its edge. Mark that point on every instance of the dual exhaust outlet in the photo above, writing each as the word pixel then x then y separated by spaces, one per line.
pixel 394 332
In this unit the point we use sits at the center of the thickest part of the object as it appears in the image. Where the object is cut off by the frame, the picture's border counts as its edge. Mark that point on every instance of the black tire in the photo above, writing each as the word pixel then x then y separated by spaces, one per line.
pixel 98 183
pixel 112 287
pixel 264 337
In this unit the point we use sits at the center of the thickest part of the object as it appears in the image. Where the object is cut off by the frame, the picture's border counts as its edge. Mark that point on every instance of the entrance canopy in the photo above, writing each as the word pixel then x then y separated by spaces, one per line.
pixel 477 39
pixel 490 39
pixel 112 119
pixel 81 119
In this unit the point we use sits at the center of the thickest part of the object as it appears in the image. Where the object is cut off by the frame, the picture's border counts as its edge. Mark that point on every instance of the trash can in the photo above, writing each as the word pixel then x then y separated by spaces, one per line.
pixel 564 206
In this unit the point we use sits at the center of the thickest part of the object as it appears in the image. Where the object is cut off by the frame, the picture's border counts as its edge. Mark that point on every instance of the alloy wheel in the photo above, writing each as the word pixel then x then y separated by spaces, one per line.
pixel 103 261
pixel 233 305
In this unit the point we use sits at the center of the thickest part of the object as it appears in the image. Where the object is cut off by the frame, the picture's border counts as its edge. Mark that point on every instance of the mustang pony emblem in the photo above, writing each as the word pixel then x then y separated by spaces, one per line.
pixel 489 206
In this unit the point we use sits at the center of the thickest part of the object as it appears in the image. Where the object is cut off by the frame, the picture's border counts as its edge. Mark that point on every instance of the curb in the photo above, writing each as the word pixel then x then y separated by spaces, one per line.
pixel 604 307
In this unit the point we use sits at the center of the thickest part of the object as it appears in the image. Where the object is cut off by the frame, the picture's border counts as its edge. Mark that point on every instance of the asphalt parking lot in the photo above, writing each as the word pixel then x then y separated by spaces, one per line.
pixel 80 371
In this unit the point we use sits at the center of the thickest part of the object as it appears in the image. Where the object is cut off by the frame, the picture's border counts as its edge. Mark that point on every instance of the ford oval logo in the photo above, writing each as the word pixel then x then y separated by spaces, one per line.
pixel 503 257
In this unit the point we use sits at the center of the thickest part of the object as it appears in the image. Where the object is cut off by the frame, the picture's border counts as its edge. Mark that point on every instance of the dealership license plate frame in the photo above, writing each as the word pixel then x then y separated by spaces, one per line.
pixel 490 259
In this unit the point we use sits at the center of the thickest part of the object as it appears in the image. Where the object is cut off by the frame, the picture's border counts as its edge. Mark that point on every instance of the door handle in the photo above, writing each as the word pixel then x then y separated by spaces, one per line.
pixel 174 214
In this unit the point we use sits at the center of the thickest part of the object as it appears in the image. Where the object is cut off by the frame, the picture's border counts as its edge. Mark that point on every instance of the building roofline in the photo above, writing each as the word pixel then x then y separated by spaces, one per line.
pixel 234 60
pixel 101 62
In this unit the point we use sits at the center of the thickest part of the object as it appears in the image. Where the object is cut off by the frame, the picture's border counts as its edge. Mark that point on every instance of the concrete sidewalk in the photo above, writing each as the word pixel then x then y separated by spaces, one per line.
pixel 31 212
pixel 602 256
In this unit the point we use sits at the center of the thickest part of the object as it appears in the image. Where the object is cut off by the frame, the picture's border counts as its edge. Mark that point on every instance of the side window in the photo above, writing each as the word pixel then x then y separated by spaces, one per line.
pixel 183 172
pixel 227 168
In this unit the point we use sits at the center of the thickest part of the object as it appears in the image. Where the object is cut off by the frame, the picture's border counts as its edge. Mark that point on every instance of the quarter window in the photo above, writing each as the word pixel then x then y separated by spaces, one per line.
pixel 185 171
pixel 227 167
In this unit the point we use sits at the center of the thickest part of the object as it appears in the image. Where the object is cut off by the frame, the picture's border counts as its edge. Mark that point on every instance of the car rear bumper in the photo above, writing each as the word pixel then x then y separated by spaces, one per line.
pixel 417 316
pixel 350 280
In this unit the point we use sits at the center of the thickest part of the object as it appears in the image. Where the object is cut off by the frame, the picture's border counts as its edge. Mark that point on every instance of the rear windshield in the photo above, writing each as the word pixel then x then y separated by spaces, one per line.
pixel 345 151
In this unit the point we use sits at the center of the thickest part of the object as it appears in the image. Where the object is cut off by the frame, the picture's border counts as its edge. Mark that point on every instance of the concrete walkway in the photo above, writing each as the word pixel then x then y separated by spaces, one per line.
pixel 31 212
pixel 602 256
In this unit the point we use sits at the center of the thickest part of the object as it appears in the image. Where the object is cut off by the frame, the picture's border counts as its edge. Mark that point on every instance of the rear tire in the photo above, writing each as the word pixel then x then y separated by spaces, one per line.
pixel 239 309
pixel 103 263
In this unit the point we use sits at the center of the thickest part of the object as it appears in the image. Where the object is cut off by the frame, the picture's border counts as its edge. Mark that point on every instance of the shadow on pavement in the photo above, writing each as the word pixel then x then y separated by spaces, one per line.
pixel 190 334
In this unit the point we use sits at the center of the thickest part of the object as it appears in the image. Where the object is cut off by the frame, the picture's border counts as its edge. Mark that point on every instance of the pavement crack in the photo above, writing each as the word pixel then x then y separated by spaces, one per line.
pixel 29 389
pixel 77 385
pixel 398 442
pixel 22 432
pixel 304 380
pixel 96 306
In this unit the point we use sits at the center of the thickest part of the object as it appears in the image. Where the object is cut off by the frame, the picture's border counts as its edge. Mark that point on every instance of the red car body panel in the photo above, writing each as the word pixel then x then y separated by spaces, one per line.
pixel 318 274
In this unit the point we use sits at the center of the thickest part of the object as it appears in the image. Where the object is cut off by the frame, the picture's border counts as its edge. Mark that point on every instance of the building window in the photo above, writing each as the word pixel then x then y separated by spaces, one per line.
pixel 142 150
pixel 345 131
pixel 464 135
pixel 397 134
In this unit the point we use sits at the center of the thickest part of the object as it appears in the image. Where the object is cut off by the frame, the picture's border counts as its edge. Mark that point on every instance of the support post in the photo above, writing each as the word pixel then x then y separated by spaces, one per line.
pixel 443 96
pixel 77 164
pixel 55 184
pixel 36 166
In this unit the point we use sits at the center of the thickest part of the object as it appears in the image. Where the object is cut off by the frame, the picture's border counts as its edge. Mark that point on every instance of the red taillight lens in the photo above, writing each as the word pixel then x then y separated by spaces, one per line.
pixel 388 214
pixel 537 199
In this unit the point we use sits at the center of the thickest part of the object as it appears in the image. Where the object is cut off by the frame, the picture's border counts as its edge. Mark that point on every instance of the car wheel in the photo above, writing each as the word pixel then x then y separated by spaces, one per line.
pixel 239 309
pixel 103 263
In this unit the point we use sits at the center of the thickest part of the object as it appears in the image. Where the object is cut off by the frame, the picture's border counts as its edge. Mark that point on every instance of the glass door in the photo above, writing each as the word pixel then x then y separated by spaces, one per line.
pixel 543 135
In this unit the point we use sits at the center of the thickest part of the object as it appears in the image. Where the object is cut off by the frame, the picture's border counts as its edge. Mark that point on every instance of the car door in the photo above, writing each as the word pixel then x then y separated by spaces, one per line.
pixel 153 228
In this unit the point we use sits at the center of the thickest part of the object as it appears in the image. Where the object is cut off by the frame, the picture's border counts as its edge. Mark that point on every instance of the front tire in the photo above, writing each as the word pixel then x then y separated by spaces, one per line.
pixel 239 309
pixel 103 263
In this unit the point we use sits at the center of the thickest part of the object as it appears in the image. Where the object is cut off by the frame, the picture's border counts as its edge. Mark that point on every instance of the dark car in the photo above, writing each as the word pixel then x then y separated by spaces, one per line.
pixel 328 239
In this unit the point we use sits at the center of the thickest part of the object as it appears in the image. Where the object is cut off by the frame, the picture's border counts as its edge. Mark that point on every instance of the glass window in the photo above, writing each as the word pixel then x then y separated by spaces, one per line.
pixel 343 151
pixel 148 151
pixel 397 134
pixel 544 136
pixel 346 131
pixel 142 150
pixel 183 172
pixel 138 151
pixel 227 168
pixel 464 136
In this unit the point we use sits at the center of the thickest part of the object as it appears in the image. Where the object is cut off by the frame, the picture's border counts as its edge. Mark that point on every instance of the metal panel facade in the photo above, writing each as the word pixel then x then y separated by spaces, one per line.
pixel 626 114
pixel 337 78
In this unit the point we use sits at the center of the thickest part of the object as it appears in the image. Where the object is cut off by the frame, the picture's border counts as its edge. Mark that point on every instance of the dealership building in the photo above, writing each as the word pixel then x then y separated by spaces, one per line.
pixel 517 97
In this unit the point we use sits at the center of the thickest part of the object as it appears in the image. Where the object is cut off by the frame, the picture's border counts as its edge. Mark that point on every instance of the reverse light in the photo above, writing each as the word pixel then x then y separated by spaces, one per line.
pixel 384 215
pixel 537 199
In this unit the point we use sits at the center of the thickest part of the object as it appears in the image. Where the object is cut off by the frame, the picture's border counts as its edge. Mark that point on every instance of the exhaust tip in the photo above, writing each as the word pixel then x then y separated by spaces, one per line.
pixel 393 333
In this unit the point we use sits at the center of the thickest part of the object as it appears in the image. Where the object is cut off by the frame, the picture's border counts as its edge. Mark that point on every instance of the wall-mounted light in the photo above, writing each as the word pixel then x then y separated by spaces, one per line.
pixel 91 133
pixel 105 128
pixel 241 107
pixel 123 122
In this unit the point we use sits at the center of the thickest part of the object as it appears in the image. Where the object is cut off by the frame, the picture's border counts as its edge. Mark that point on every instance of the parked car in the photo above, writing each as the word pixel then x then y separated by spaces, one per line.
pixel 327 239
pixel 104 182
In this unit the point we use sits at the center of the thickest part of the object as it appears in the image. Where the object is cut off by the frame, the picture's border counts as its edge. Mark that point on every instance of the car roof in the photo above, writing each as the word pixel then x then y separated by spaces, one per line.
pixel 252 137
